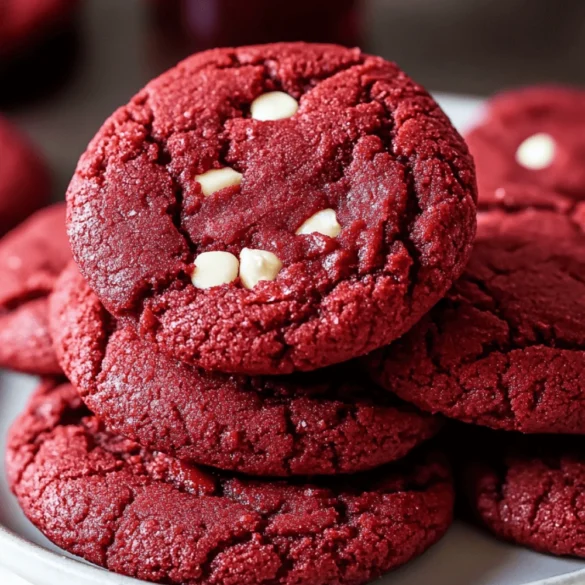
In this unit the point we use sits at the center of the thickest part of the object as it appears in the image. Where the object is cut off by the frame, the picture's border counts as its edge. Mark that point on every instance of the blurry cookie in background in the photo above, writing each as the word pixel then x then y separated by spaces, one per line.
pixel 38 47
pixel 31 258
pixel 25 182
pixel 531 137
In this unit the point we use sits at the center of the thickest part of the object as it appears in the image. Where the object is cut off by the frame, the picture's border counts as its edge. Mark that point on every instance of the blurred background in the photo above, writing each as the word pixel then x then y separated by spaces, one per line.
pixel 62 89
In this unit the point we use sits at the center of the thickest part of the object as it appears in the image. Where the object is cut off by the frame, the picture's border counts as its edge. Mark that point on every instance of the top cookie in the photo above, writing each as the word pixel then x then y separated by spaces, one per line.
pixel 276 208
pixel 531 137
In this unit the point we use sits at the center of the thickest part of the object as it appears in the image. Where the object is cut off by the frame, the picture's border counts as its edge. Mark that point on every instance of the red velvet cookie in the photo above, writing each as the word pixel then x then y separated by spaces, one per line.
pixel 25 22
pixel 248 236
pixel 530 491
pixel 150 516
pixel 505 348
pixel 533 136
pixel 25 184
pixel 317 423
pixel 31 257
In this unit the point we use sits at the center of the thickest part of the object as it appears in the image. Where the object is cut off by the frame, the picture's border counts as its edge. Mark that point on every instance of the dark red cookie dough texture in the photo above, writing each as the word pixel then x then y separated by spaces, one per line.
pixel 322 422
pixel 531 491
pixel 31 257
pixel 25 183
pixel 366 142
pixel 505 348
pixel 25 22
pixel 149 516
pixel 555 113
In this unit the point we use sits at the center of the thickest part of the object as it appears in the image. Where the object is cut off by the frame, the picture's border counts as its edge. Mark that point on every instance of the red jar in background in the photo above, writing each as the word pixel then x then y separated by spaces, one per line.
pixel 186 26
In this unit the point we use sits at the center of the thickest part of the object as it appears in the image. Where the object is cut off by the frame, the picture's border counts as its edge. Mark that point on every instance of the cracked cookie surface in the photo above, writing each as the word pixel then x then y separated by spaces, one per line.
pixel 152 517
pixel 31 258
pixel 322 422
pixel 531 137
pixel 505 348
pixel 368 153
pixel 529 490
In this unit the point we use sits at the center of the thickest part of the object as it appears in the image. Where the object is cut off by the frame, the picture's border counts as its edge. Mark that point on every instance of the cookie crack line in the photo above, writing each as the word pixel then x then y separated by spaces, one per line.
pixel 39 440
pixel 545 337
pixel 268 64
pixel 311 423
pixel 528 489
pixel 441 370
pixel 507 407
pixel 538 503
pixel 494 412
pixel 285 524
pixel 165 158
pixel 175 209
pixel 206 567
pixel 119 520
pixel 23 299
pixel 389 125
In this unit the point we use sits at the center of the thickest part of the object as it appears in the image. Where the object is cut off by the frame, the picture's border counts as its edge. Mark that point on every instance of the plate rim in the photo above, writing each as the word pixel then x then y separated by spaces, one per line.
pixel 74 567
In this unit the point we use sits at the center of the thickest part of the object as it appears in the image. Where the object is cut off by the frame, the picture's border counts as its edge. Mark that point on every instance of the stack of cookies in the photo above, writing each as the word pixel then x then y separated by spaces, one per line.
pixel 247 225
pixel 272 302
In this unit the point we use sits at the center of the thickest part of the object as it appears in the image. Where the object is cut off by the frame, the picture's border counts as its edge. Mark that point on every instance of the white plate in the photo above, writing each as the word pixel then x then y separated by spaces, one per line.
pixel 466 556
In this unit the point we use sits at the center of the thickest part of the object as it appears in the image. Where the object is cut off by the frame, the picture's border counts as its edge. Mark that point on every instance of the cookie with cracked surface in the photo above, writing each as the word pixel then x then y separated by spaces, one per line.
pixel 529 490
pixel 533 136
pixel 505 348
pixel 31 257
pixel 150 516
pixel 272 209
pixel 322 422
pixel 25 183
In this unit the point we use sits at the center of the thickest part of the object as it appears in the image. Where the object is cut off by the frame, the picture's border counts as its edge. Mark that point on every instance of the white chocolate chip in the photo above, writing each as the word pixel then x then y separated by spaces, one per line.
pixel 257 265
pixel 218 179
pixel 214 269
pixel 536 152
pixel 323 222
pixel 275 105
